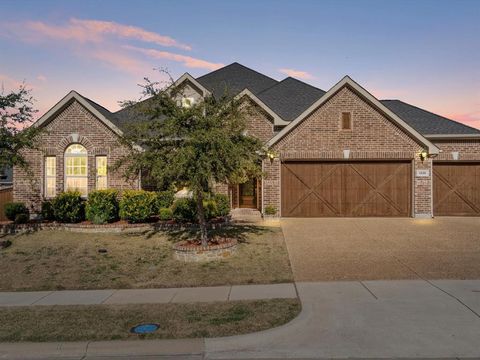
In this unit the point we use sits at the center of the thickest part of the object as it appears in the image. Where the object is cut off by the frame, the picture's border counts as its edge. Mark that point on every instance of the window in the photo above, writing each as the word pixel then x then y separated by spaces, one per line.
pixel 187 102
pixel 50 176
pixel 76 170
pixel 101 172
pixel 346 121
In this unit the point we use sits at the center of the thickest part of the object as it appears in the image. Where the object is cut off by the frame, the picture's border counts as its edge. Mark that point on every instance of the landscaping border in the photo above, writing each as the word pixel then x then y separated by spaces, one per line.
pixel 197 253
pixel 12 228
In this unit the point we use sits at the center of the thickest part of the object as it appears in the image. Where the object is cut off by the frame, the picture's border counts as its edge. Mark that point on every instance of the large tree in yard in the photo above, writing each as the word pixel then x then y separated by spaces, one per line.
pixel 193 145
pixel 16 113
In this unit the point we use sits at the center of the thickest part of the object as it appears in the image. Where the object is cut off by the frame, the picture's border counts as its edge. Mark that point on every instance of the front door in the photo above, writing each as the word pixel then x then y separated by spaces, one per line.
pixel 248 194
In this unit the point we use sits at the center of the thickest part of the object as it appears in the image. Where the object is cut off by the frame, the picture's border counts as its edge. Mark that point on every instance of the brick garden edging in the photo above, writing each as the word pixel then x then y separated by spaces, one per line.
pixel 12 228
pixel 198 253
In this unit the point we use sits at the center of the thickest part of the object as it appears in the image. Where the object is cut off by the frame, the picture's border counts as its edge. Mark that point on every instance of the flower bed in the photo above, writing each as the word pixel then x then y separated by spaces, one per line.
pixel 9 227
pixel 189 251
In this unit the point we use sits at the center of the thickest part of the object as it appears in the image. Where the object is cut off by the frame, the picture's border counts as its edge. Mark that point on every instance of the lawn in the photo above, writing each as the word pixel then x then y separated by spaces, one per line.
pixel 54 260
pixel 113 322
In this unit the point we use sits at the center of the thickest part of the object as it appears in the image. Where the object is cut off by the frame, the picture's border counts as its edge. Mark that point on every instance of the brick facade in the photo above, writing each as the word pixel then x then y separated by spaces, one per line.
pixel 74 124
pixel 467 149
pixel 372 137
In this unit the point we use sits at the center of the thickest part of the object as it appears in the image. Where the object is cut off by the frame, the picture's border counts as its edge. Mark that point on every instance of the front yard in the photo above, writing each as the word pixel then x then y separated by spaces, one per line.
pixel 55 260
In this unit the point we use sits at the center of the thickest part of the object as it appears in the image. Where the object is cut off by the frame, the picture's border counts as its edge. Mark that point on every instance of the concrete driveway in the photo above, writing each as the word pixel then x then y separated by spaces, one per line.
pixel 329 249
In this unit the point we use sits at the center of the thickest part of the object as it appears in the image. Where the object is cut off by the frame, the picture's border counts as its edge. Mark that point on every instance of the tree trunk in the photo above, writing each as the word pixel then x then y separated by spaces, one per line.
pixel 201 218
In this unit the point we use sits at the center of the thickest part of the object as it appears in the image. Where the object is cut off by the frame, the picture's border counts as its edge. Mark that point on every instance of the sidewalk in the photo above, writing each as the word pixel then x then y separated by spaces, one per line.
pixel 148 296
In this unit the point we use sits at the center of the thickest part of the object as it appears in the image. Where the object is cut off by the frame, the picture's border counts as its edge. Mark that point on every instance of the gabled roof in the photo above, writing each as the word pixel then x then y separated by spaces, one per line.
pixel 234 78
pixel 97 110
pixel 428 123
pixel 290 97
pixel 277 120
pixel 347 81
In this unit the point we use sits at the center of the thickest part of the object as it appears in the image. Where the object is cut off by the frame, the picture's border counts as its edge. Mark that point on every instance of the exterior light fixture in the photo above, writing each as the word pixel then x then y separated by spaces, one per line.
pixel 271 155
pixel 423 155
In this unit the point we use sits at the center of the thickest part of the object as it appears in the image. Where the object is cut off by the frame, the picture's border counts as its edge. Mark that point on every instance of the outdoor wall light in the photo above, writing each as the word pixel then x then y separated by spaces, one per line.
pixel 423 155
pixel 271 155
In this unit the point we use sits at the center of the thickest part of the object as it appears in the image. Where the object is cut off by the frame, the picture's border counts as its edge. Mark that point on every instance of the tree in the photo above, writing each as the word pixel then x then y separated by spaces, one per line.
pixel 16 113
pixel 192 145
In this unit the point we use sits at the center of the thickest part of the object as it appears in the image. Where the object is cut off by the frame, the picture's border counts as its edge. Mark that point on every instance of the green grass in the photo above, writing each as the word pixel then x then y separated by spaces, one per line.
pixel 56 260
pixel 113 322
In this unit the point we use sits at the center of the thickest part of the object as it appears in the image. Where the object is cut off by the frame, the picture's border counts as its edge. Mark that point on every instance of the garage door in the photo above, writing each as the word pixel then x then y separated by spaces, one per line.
pixel 456 189
pixel 315 189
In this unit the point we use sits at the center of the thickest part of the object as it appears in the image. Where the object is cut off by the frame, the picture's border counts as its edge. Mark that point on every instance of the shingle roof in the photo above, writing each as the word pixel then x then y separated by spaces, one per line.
pixel 290 97
pixel 425 122
pixel 233 79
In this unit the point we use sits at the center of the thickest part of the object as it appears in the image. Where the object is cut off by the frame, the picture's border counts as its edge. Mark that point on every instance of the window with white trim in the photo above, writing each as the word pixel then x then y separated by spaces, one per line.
pixel 76 169
pixel 50 176
pixel 101 165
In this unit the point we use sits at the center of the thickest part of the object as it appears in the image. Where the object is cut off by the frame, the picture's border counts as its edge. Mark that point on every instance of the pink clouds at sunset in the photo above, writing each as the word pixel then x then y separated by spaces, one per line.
pixel 470 119
pixel 188 61
pixel 296 73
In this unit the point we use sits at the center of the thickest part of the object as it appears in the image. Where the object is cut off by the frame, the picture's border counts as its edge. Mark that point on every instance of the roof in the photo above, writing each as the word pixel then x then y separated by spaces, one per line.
pixel 6 175
pixel 290 97
pixel 233 78
pixel 426 122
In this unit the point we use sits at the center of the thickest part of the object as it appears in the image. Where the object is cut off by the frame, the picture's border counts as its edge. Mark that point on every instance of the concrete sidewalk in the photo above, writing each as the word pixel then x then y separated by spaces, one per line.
pixel 148 296
pixel 406 319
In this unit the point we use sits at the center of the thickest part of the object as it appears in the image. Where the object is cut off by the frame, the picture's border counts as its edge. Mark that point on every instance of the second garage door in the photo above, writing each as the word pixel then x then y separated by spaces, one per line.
pixel 316 189
pixel 456 189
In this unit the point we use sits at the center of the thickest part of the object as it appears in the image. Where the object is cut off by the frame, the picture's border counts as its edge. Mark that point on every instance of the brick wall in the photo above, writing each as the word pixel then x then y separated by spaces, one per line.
pixel 467 149
pixel 373 136
pixel 74 124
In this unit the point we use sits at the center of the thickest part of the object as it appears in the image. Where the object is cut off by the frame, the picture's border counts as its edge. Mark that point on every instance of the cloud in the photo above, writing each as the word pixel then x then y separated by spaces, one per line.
pixel 8 83
pixel 296 73
pixel 188 61
pixel 41 78
pixel 93 31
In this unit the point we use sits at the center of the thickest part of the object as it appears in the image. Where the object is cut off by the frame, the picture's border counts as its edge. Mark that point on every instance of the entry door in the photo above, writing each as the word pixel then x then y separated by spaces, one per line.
pixel 248 196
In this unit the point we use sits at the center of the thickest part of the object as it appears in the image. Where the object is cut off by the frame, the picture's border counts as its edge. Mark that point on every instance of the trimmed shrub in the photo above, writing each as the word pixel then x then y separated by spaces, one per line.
pixel 165 214
pixel 102 206
pixel 211 209
pixel 270 210
pixel 223 204
pixel 69 207
pixel 185 210
pixel 47 211
pixel 137 205
pixel 165 199
pixel 13 209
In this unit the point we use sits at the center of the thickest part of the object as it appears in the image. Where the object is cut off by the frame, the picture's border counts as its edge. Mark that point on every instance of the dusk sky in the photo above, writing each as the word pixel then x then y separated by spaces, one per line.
pixel 426 53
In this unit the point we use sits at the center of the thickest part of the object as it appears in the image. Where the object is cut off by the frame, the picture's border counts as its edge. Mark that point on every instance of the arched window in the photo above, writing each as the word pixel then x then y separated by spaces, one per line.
pixel 76 169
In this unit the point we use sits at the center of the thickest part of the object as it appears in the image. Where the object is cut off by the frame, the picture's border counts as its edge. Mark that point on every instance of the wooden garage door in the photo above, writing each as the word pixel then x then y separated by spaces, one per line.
pixel 456 189
pixel 314 189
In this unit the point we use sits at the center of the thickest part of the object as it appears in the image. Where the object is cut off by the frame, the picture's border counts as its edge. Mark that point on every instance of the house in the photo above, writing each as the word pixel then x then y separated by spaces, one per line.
pixel 340 152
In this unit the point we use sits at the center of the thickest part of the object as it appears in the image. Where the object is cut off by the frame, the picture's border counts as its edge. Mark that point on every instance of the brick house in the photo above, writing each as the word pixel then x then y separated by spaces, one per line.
pixel 336 153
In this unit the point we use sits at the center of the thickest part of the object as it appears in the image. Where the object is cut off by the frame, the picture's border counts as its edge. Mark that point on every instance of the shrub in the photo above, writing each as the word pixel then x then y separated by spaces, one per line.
pixel 270 210
pixel 185 210
pixel 102 206
pixel 137 205
pixel 47 211
pixel 69 207
pixel 165 214
pixel 223 204
pixel 13 209
pixel 22 218
pixel 211 209
pixel 165 199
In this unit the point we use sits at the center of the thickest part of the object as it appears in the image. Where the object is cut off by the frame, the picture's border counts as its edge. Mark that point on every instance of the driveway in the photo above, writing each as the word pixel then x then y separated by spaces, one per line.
pixel 326 249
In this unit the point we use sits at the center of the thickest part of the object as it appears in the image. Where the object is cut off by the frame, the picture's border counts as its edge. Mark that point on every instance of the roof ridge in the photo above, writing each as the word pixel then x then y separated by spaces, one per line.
pixel 427 111
pixel 237 63
pixel 92 101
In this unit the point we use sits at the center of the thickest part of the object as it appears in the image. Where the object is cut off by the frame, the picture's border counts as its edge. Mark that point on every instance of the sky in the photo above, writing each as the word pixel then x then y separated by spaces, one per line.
pixel 423 52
